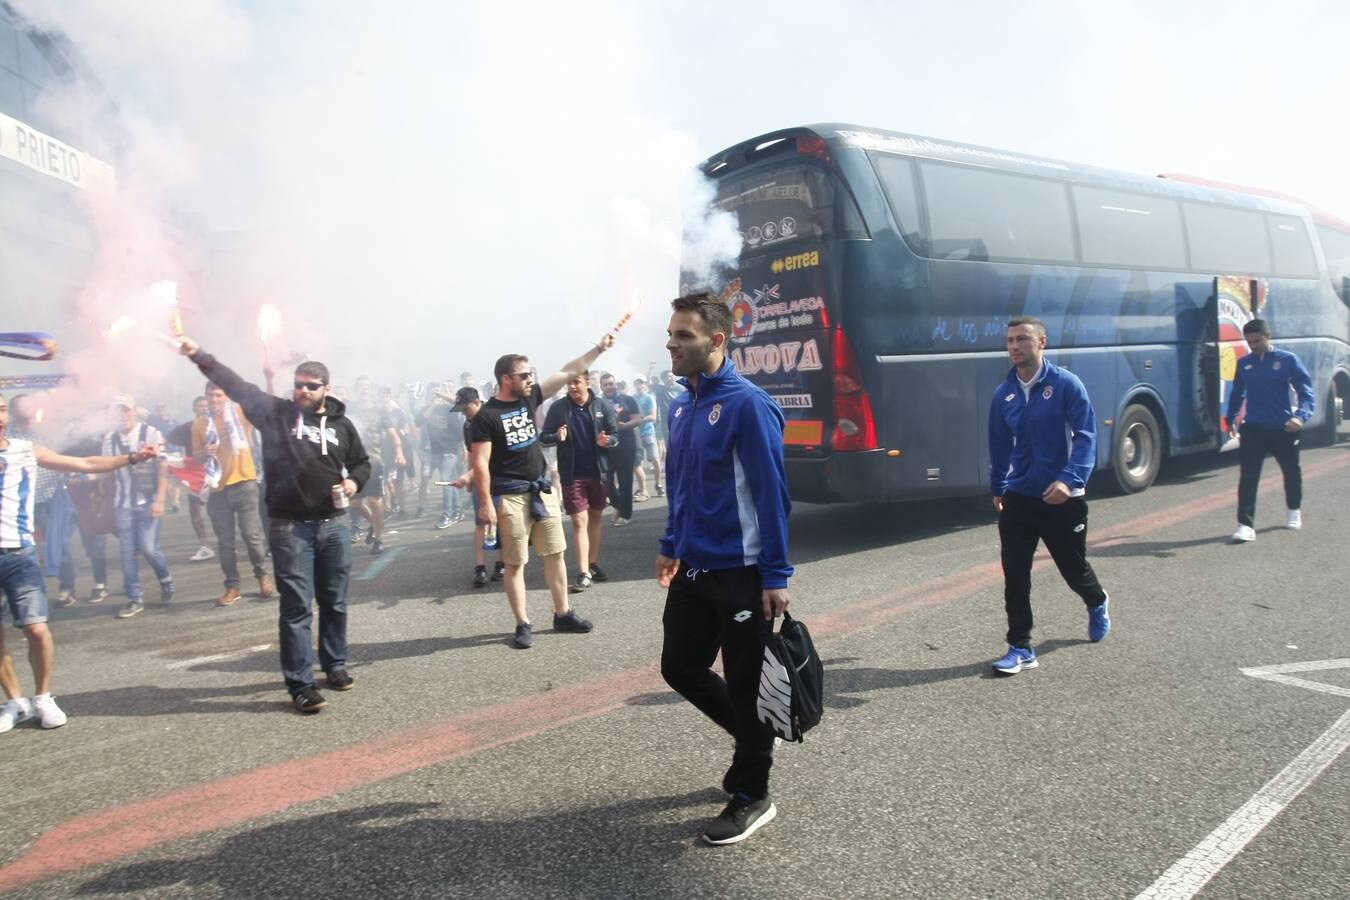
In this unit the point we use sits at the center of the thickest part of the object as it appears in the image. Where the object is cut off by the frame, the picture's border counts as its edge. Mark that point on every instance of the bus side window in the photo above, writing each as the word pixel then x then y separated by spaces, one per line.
pixel 1118 228
pixel 1293 251
pixel 896 174
pixel 1225 239
pixel 1336 248
pixel 997 215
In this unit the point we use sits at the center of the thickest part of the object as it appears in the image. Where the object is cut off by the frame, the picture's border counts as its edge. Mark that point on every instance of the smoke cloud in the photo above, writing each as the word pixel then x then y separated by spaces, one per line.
pixel 416 191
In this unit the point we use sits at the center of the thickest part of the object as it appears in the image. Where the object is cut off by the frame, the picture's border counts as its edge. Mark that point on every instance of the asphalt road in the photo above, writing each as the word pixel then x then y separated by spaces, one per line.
pixel 461 767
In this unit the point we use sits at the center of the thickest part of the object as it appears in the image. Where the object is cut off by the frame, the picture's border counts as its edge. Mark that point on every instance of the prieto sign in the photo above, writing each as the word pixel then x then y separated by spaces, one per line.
pixel 29 147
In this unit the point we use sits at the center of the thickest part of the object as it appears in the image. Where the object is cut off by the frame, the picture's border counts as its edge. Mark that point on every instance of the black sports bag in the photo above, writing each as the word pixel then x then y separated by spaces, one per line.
pixel 791 682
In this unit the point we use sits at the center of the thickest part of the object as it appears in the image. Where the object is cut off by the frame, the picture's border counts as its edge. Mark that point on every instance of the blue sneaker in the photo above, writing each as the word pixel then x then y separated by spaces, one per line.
pixel 1099 623
pixel 1017 659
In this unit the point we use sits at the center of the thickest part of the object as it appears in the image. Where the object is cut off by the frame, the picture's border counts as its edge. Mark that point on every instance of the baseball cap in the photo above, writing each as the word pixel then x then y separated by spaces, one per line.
pixel 463 397
pixel 125 400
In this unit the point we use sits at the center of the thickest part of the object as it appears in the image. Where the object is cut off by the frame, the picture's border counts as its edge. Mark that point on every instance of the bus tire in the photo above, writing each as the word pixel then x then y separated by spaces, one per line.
pixel 1137 449
pixel 1325 435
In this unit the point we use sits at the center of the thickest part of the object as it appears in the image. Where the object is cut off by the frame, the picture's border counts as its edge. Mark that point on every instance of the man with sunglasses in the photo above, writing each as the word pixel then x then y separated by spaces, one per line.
pixel 511 479
pixel 311 452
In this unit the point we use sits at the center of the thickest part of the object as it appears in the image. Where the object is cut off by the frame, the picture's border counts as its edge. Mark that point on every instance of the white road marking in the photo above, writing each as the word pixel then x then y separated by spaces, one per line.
pixel 1188 875
pixel 189 663
pixel 1281 674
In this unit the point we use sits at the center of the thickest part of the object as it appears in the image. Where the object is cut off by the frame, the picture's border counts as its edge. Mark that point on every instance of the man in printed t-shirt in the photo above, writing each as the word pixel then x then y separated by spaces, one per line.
pixel 139 499
pixel 508 464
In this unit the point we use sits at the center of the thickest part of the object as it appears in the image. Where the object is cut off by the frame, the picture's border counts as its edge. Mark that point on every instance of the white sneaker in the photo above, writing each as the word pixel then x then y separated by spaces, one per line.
pixel 1295 520
pixel 620 521
pixel 1244 534
pixel 14 712
pixel 48 713
pixel 203 552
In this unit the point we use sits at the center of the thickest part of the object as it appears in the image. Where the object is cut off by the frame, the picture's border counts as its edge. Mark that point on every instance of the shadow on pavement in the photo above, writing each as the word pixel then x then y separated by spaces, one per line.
pixel 407 849
pixel 654 698
pixel 842 686
pixel 148 700
pixel 1155 549
pixel 359 655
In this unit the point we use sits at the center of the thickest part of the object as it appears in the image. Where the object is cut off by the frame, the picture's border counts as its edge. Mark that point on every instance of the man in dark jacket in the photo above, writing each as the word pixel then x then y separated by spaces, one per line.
pixel 723 557
pixel 312 454
pixel 583 427
pixel 623 457
pixel 1042 446
pixel 1266 380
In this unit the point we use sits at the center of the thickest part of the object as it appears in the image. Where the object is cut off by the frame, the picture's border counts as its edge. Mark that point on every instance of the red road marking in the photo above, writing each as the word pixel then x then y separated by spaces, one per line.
pixel 101 837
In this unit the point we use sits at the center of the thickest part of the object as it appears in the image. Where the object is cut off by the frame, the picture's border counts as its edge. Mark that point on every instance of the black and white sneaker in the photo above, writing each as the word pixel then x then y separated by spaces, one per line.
pixel 480 576
pixel 339 680
pixel 308 699
pixel 583 581
pixel 742 818
pixel 499 571
pixel 597 574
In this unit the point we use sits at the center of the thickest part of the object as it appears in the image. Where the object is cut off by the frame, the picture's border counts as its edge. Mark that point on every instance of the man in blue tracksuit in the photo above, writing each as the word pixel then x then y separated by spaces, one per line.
pixel 724 552
pixel 1267 378
pixel 1042 446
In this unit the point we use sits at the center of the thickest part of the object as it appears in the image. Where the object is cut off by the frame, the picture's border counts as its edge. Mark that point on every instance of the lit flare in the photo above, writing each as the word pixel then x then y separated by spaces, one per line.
pixel 120 326
pixel 628 313
pixel 269 325
pixel 166 292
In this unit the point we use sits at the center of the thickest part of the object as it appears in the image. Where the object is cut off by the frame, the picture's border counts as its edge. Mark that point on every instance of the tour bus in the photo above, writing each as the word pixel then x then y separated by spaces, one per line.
pixel 878 272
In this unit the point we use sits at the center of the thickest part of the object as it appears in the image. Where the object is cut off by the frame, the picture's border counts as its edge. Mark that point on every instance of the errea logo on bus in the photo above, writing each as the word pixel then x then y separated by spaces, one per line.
pixel 795 262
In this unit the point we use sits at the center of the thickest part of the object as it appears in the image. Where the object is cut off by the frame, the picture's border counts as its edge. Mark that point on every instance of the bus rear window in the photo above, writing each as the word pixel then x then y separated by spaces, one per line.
pixel 787 203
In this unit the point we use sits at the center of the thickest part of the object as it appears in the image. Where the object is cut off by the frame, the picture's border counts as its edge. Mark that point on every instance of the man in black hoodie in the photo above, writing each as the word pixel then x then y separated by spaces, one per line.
pixel 311 451
pixel 582 426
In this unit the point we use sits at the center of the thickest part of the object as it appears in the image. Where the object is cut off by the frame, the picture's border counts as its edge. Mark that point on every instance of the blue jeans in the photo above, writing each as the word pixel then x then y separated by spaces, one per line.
pixel 312 559
pixel 139 533
pixel 22 588
pixel 96 548
pixel 447 466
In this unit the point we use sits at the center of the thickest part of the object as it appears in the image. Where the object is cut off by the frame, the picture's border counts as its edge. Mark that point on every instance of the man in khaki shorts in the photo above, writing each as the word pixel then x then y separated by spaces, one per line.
pixel 508 464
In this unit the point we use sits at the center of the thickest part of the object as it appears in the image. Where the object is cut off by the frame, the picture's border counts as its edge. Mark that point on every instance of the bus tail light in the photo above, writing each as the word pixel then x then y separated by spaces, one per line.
pixel 854 426
pixel 812 145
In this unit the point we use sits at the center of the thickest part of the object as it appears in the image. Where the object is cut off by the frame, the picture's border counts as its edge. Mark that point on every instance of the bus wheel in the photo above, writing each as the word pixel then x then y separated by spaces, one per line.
pixel 1326 434
pixel 1137 454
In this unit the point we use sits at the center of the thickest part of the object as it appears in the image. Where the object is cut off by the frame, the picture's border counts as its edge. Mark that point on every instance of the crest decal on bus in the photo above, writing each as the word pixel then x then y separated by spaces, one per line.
pixel 1240 299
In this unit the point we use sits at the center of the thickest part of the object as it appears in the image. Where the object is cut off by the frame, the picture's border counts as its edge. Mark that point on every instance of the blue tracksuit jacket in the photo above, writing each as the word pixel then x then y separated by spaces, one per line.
pixel 725 479
pixel 1265 382
pixel 1048 436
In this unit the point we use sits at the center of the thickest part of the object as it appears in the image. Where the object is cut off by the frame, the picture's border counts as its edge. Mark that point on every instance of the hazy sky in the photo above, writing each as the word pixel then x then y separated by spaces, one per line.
pixel 1251 92
pixel 424 185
